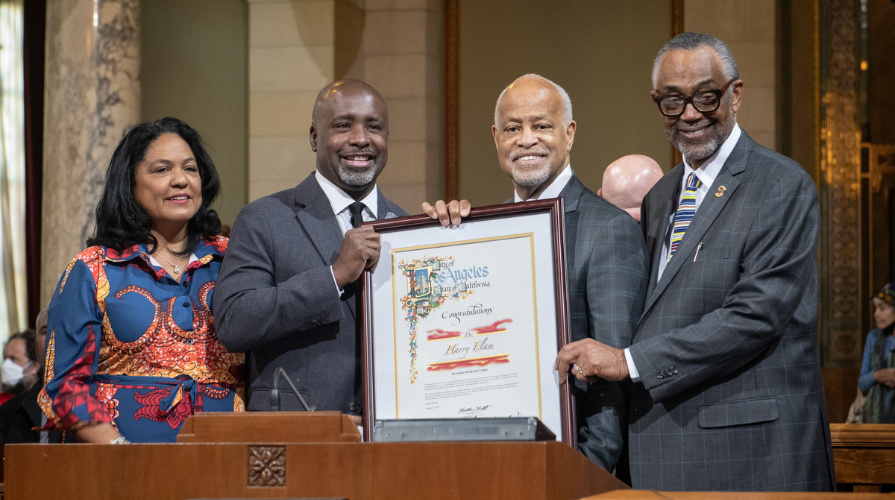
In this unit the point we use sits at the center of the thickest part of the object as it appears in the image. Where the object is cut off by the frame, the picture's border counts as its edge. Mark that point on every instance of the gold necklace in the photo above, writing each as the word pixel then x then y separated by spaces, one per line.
pixel 176 267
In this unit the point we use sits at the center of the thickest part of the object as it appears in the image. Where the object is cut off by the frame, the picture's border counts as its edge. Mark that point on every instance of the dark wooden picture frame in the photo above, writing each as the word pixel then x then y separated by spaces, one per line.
pixel 554 207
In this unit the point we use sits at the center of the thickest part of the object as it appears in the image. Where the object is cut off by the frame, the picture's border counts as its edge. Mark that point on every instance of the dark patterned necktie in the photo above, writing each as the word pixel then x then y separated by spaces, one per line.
pixel 356 210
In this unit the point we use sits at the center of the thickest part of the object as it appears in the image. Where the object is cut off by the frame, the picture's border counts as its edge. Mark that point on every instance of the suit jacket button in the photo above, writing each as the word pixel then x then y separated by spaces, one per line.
pixel 353 406
pixel 674 371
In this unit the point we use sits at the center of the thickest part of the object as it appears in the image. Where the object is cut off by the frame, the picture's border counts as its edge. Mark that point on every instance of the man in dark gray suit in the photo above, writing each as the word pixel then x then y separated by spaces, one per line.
pixel 286 292
pixel 605 256
pixel 728 392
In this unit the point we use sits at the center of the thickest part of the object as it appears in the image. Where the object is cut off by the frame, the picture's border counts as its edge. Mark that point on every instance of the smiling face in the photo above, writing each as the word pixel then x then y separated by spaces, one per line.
pixel 168 185
pixel 532 143
pixel 349 133
pixel 684 72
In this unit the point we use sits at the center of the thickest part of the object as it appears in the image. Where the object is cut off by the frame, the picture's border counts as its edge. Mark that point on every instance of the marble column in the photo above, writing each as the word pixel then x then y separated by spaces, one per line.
pixel 92 100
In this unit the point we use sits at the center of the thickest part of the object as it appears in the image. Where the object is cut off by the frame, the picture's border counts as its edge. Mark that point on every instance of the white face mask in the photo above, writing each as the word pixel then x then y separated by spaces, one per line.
pixel 11 373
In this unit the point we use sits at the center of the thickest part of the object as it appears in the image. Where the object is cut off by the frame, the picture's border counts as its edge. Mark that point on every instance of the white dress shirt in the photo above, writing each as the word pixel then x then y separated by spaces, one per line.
pixel 553 189
pixel 339 200
pixel 707 174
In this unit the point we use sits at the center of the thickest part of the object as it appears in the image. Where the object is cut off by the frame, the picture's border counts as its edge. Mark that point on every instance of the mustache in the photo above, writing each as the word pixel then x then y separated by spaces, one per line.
pixel 365 152
pixel 688 127
pixel 516 153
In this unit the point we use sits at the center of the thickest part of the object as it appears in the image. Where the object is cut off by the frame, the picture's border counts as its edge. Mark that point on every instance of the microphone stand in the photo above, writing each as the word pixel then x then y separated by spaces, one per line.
pixel 275 393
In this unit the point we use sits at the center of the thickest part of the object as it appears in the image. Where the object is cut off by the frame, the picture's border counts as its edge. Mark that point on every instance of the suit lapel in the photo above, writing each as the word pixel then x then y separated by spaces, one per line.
pixel 571 193
pixel 708 211
pixel 383 210
pixel 664 197
pixel 315 214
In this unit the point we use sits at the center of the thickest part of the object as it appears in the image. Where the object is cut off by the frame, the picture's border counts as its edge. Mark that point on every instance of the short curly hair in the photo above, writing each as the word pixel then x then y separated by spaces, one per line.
pixel 691 41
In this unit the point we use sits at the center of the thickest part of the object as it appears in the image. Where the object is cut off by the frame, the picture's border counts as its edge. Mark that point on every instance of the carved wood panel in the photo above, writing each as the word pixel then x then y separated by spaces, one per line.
pixel 267 466
pixel 840 168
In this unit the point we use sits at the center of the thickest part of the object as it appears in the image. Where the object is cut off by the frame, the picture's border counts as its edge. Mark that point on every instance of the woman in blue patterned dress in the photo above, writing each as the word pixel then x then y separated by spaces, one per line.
pixel 131 344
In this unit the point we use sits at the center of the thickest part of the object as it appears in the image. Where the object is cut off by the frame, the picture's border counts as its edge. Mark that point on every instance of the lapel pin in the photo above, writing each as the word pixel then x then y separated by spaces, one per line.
pixel 720 192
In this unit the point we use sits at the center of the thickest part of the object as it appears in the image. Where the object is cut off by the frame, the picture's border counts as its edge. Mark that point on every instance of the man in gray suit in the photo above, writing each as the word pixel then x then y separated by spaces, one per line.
pixel 286 292
pixel 728 392
pixel 605 257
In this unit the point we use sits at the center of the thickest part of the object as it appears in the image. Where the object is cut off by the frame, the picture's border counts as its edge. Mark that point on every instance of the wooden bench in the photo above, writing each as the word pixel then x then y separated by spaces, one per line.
pixel 864 455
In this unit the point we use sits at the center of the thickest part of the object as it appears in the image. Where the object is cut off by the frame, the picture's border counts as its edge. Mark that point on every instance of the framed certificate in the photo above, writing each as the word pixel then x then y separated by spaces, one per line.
pixel 466 322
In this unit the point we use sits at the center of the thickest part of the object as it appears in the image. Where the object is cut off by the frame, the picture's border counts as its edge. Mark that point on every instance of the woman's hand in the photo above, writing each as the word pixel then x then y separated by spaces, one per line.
pixel 886 376
pixel 97 433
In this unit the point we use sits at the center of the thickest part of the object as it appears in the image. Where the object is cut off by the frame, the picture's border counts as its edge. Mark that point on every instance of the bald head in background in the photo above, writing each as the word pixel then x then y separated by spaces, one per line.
pixel 627 180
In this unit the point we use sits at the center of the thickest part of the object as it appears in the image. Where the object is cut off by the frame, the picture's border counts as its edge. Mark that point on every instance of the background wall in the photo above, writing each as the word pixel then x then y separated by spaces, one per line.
pixel 750 30
pixel 600 52
pixel 296 47
pixel 194 67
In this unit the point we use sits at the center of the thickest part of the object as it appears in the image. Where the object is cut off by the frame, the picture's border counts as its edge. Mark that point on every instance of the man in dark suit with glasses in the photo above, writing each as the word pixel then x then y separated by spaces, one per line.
pixel 727 391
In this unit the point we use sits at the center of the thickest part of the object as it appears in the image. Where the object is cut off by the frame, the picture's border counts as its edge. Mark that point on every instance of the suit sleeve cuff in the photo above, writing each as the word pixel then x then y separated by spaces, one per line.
pixel 632 369
pixel 335 282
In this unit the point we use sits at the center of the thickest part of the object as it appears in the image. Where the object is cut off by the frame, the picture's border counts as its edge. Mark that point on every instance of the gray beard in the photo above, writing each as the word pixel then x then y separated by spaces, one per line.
pixel 720 132
pixel 353 178
pixel 531 178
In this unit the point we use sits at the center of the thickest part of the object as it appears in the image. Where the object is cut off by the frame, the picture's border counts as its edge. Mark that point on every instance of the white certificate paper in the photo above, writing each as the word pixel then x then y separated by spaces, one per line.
pixel 472 331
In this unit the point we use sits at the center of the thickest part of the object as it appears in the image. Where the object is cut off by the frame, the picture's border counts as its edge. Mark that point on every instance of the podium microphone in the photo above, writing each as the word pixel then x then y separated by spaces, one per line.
pixel 275 393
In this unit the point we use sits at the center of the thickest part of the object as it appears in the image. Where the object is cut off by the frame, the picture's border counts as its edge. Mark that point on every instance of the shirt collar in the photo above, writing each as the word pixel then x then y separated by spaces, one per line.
pixel 339 200
pixel 711 168
pixel 554 188
pixel 215 248
pixel 156 263
pixel 205 252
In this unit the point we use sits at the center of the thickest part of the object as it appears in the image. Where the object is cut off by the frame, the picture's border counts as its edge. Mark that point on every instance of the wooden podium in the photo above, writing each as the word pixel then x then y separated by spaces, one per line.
pixel 299 455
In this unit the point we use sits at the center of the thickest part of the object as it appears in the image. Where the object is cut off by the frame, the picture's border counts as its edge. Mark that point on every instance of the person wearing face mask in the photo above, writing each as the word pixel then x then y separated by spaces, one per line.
pixel 20 417
pixel 18 370
pixel 877 377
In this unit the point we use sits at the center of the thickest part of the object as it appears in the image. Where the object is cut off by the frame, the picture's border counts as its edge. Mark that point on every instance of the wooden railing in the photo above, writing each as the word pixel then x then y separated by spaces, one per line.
pixel 864 455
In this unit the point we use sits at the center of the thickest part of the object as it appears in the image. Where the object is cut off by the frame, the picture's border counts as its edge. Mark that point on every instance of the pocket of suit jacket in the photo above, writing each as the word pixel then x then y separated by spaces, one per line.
pixel 717 253
pixel 743 412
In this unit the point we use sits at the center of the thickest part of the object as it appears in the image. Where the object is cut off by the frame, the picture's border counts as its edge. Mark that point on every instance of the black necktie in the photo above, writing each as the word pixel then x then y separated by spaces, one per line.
pixel 356 210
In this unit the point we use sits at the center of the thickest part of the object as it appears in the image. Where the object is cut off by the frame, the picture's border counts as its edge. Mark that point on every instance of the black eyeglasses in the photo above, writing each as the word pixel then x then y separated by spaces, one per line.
pixel 705 101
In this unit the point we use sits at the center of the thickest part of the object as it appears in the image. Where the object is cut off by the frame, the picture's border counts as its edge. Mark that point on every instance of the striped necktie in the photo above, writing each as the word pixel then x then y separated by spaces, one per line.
pixel 684 213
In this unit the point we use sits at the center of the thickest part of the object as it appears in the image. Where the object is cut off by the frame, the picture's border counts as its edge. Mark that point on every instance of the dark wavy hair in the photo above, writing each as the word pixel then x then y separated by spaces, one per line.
pixel 121 221
pixel 29 336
